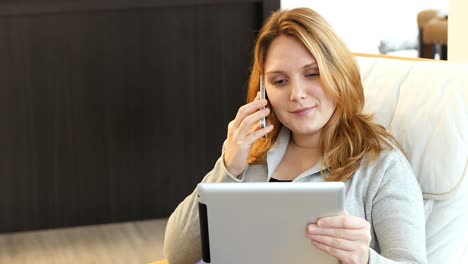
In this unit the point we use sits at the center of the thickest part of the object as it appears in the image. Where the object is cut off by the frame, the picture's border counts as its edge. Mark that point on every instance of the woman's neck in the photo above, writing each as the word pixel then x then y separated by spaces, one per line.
pixel 309 142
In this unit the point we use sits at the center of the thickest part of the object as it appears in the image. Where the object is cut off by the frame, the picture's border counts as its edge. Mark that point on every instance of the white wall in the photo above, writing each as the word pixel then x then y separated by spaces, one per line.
pixel 362 24
pixel 457 31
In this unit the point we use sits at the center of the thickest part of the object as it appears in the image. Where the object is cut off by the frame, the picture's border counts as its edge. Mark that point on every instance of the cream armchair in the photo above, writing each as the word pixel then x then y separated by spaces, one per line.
pixel 424 103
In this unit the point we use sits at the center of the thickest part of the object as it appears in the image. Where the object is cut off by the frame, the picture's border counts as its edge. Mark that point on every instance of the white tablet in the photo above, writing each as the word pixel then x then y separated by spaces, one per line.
pixel 244 223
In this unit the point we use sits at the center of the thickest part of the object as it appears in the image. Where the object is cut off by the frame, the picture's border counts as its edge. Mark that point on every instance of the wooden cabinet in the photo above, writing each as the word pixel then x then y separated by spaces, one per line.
pixel 114 110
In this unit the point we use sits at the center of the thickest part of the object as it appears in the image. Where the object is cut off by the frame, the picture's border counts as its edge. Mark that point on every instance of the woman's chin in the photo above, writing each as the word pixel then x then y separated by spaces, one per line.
pixel 303 130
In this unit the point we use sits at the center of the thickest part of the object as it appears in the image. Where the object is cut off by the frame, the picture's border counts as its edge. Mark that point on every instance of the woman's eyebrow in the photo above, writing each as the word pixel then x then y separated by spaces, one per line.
pixel 311 65
pixel 307 66
pixel 274 71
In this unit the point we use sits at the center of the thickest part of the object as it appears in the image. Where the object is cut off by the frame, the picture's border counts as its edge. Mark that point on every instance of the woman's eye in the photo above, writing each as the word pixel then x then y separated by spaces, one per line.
pixel 312 75
pixel 279 82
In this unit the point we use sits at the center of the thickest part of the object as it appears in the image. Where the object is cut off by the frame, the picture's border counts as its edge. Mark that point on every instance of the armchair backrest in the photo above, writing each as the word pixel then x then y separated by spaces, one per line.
pixel 424 104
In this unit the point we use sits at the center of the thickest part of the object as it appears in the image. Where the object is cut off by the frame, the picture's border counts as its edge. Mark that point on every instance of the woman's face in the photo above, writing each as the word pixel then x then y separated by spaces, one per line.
pixel 292 80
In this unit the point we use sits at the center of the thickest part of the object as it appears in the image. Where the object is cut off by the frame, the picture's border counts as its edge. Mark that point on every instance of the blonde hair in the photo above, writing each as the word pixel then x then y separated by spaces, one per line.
pixel 350 134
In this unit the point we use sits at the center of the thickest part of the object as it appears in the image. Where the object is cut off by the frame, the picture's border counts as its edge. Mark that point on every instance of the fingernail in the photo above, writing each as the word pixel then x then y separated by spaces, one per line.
pixel 313 228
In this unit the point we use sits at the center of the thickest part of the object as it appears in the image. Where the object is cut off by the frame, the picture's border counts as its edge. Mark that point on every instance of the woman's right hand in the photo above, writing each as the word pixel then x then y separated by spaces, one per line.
pixel 243 132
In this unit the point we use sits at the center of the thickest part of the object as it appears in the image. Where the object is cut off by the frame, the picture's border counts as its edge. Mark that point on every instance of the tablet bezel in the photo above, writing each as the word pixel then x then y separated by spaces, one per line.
pixel 265 222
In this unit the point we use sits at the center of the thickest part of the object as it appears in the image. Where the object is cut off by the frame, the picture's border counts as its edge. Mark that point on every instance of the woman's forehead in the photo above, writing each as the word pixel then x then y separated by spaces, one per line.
pixel 286 53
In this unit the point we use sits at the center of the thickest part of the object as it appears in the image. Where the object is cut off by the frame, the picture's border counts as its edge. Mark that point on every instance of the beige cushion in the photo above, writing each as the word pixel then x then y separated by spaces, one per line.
pixel 425 105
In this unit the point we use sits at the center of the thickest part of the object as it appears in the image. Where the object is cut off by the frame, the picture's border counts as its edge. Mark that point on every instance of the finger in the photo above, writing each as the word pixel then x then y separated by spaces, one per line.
pixel 256 135
pixel 338 253
pixel 343 221
pixel 349 234
pixel 247 110
pixel 230 129
pixel 333 242
pixel 249 121
pixel 256 126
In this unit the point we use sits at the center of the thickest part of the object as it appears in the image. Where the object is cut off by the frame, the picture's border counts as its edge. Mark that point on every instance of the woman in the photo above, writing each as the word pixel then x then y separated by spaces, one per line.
pixel 316 132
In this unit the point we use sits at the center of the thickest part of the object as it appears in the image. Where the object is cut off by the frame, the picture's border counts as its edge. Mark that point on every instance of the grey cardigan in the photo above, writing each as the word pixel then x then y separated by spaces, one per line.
pixel 385 193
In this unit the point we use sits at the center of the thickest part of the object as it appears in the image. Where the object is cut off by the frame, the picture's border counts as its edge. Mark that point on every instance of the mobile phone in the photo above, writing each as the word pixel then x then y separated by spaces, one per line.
pixel 262 96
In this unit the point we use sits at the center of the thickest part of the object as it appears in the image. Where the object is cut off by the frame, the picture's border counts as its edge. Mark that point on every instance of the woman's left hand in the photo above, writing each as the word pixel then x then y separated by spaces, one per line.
pixel 345 237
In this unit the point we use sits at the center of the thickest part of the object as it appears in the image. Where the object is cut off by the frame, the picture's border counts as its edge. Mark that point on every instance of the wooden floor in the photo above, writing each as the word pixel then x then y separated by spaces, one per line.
pixel 126 243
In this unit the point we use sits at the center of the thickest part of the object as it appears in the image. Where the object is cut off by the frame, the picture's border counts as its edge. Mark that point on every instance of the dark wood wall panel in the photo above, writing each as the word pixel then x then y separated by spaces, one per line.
pixel 112 114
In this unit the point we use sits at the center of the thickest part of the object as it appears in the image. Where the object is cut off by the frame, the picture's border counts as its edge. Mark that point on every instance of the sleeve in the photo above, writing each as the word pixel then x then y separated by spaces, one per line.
pixel 182 243
pixel 398 216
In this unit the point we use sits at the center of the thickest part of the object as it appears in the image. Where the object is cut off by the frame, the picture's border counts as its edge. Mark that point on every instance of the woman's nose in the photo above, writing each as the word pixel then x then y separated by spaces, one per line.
pixel 298 91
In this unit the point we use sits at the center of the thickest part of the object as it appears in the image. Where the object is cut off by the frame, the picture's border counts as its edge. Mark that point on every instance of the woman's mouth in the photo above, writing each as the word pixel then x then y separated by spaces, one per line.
pixel 303 111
